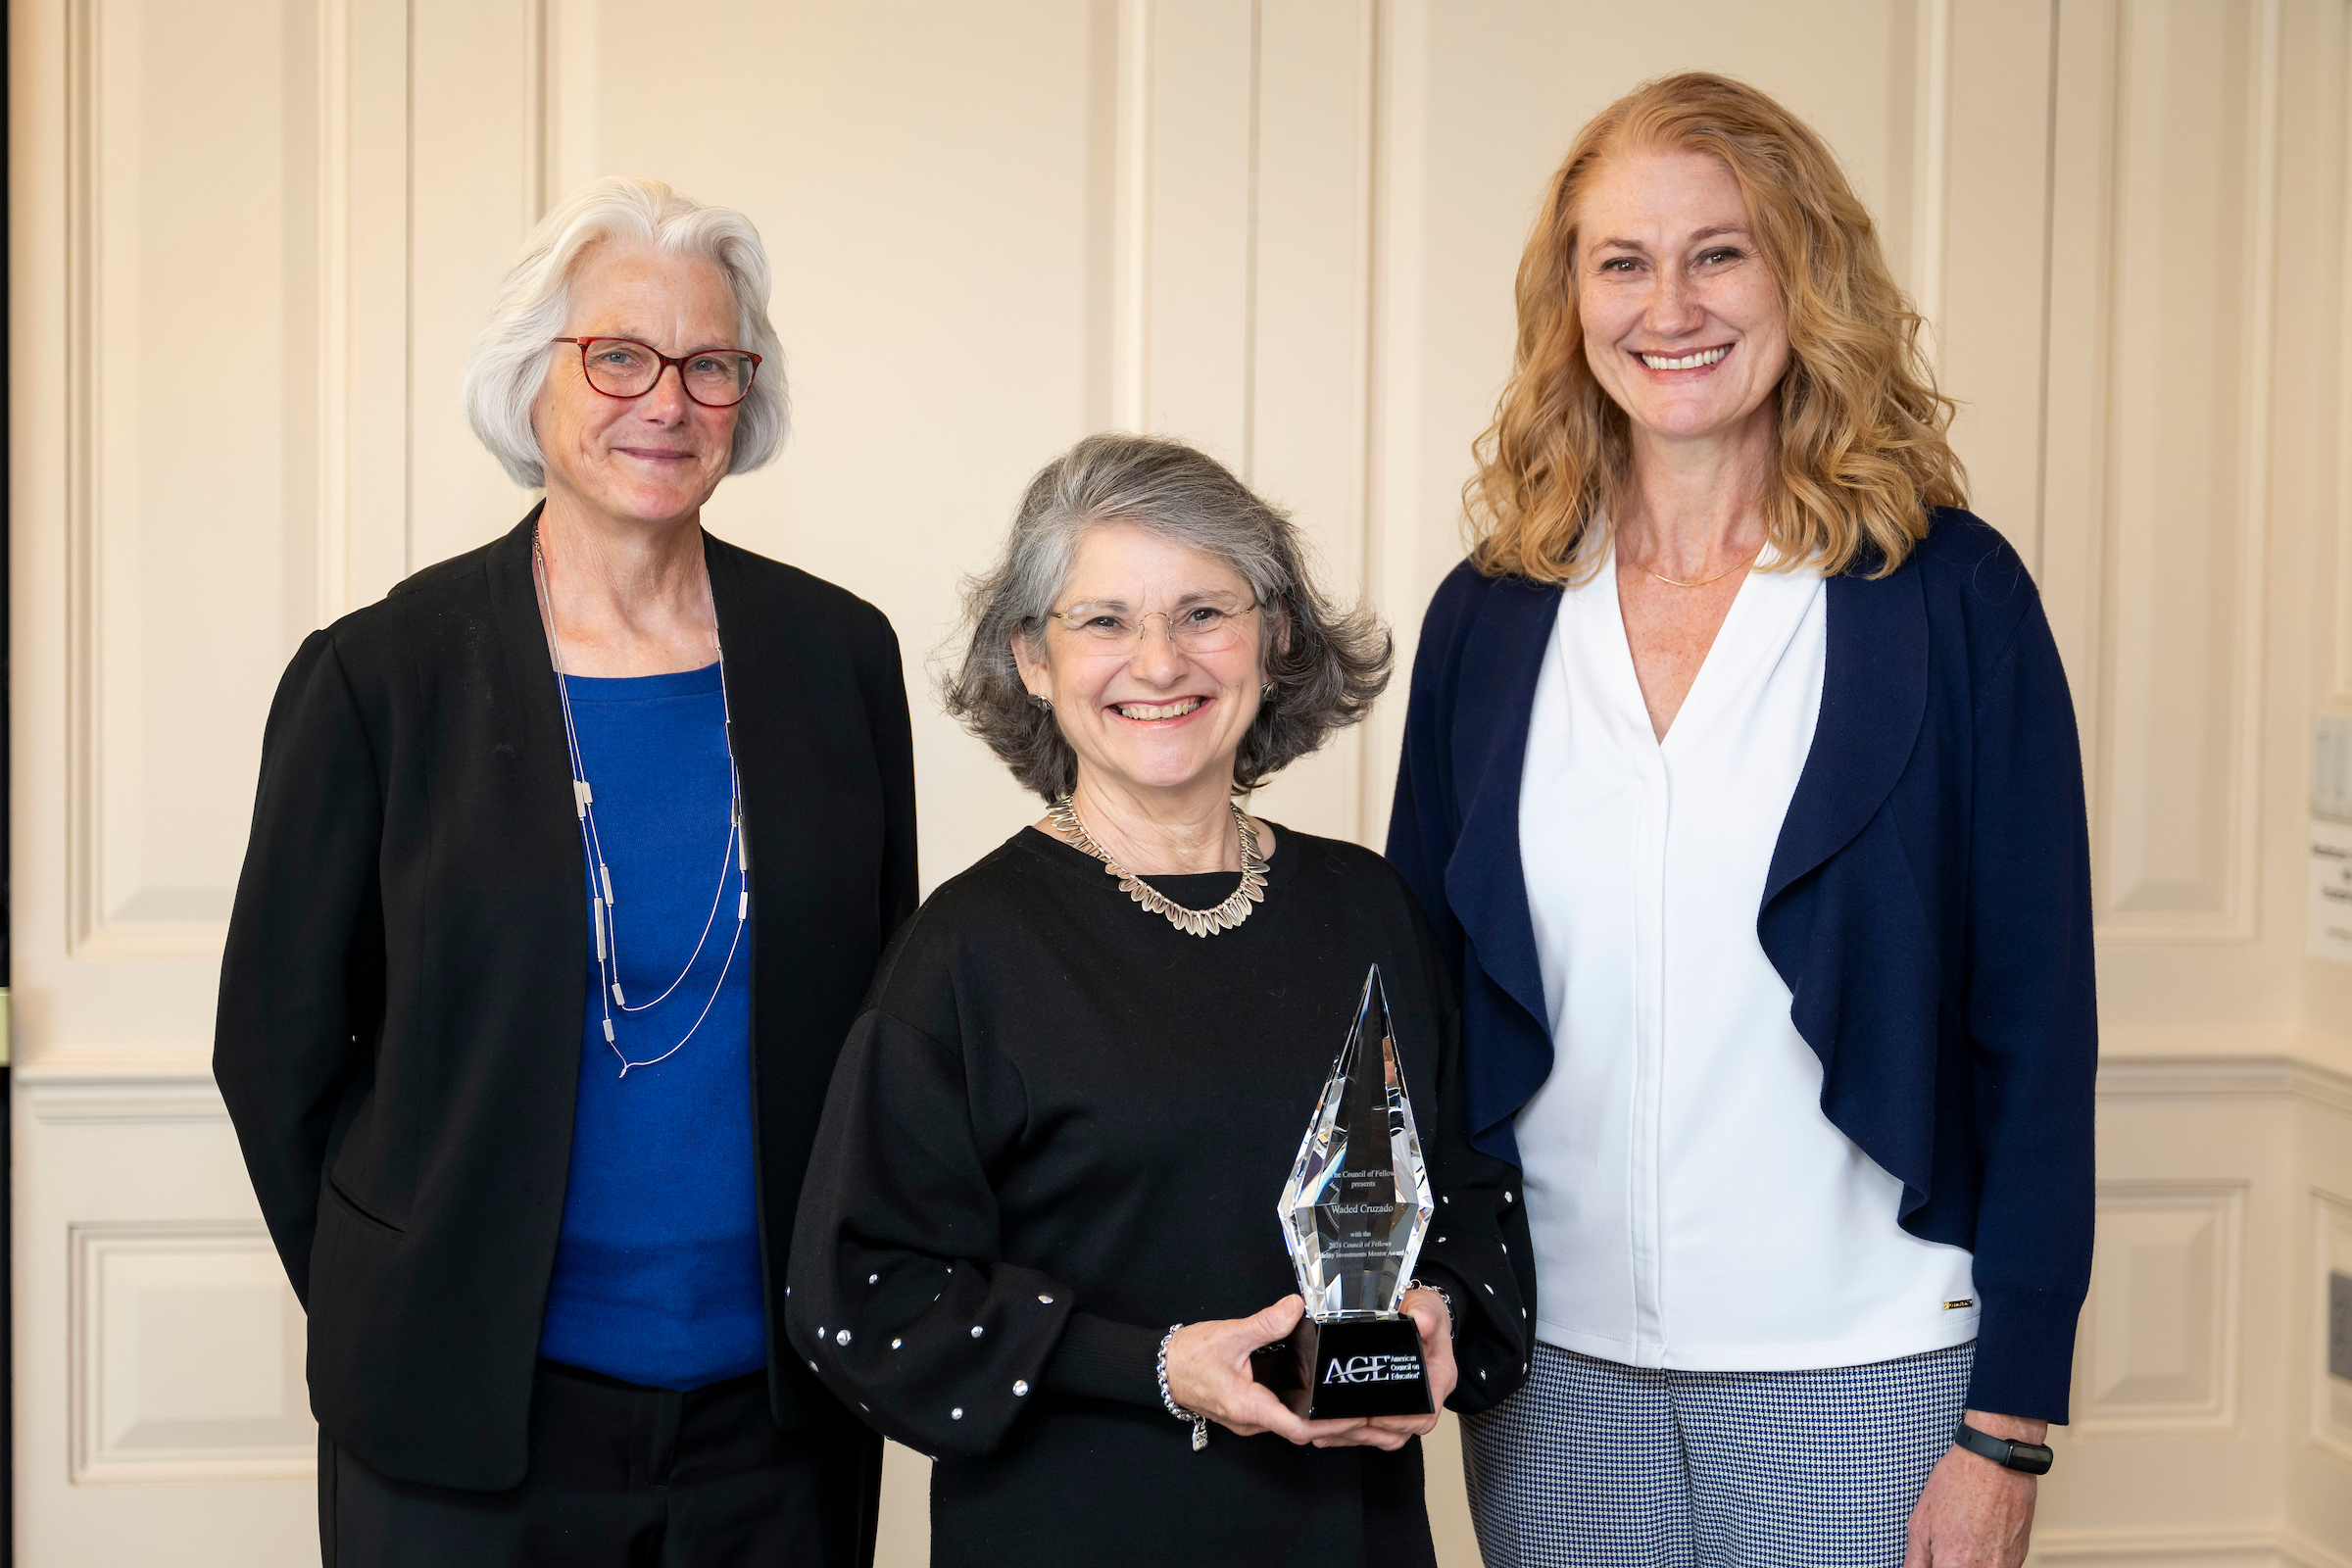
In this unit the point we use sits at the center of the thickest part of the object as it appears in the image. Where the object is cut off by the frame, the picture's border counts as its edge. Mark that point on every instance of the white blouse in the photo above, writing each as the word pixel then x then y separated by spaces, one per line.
pixel 1692 1205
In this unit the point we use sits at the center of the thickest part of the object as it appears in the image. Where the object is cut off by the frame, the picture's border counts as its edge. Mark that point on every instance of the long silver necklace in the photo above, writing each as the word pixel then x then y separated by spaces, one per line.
pixel 1195 923
pixel 600 875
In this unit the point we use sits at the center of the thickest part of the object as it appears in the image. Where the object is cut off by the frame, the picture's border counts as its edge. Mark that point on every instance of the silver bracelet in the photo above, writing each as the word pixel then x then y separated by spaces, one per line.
pixel 1200 1422
pixel 1453 1320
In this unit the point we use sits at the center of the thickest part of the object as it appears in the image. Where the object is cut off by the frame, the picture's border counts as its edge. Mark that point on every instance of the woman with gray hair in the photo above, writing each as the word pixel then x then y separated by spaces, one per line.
pixel 1066 1115
pixel 570 863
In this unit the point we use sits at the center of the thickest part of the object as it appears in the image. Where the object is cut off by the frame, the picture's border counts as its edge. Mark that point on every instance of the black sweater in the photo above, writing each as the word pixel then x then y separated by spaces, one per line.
pixel 1062 1125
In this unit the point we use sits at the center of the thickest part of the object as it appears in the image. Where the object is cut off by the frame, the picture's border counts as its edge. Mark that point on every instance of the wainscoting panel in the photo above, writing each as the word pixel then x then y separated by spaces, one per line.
pixel 2319 1466
pixel 2339 625
pixel 2330 1345
pixel 2182 1549
pixel 2189 258
pixel 1990 232
pixel 159 495
pixel 187 1356
pixel 2159 1339
pixel 2179 1398
pixel 1199 70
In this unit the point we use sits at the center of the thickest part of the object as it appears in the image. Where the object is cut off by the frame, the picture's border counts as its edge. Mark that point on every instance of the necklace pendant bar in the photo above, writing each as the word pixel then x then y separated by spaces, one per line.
pixel 600 881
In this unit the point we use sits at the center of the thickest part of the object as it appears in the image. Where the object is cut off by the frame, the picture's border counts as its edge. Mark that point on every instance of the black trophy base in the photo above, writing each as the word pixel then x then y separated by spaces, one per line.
pixel 1348 1368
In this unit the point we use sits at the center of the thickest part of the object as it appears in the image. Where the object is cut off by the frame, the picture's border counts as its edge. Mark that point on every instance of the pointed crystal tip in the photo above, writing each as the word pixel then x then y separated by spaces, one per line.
pixel 1357 1204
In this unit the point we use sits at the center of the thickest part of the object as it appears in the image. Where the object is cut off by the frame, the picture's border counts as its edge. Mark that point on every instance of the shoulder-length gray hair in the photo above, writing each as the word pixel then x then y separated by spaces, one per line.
pixel 508 363
pixel 1327 664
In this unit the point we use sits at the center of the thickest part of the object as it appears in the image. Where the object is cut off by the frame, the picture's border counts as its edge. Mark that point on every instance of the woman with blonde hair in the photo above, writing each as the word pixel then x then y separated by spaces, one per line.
pixel 1742 787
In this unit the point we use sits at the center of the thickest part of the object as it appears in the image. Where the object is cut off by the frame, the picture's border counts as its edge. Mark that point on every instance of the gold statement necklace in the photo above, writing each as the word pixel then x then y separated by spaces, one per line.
pixel 1195 923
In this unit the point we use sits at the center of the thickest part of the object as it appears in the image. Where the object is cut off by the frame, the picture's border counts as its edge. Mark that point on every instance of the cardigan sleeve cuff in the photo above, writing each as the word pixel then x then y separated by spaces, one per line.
pixel 1100 1358
pixel 2024 1355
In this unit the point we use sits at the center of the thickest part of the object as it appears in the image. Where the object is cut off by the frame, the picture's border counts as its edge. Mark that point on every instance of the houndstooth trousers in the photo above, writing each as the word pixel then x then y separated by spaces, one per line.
pixel 1634 1467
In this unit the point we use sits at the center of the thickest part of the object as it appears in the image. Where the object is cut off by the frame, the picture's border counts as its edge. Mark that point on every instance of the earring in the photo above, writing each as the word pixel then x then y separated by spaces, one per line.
pixel 1266 692
pixel 1045 702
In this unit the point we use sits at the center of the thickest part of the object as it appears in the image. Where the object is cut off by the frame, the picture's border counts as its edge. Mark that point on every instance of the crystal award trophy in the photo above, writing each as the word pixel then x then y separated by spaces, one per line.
pixel 1353 1215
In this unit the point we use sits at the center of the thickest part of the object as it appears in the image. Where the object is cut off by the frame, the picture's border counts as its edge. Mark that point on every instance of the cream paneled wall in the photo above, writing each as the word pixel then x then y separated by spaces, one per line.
pixel 252 238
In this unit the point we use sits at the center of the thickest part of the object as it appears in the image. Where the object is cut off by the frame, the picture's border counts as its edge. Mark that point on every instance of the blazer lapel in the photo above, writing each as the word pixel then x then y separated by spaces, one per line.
pixel 787 756
pixel 528 670
pixel 1874 698
pixel 544 829
pixel 761 678
pixel 1484 883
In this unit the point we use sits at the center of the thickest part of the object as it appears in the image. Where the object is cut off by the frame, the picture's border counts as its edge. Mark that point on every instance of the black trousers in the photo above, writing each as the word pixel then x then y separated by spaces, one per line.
pixel 622 1476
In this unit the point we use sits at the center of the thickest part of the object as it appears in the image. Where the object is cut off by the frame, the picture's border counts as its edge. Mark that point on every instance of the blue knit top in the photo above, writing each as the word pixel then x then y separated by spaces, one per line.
pixel 657 1277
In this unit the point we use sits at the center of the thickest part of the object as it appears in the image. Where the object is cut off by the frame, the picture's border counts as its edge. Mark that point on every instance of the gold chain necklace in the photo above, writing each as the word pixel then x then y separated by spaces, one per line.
pixel 1676 582
pixel 1195 923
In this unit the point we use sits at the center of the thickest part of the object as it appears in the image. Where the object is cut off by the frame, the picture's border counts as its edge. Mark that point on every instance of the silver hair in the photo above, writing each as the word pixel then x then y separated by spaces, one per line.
pixel 1326 664
pixel 507 363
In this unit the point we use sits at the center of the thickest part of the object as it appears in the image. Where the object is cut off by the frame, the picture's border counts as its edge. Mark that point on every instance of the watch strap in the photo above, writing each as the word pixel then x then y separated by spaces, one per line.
pixel 2027 1458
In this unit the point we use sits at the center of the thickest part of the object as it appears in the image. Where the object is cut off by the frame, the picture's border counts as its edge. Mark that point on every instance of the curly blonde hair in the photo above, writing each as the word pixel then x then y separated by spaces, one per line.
pixel 1860 449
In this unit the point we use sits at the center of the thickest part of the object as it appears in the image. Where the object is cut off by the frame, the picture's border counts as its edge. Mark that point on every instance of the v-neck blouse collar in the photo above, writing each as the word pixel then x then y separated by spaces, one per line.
pixel 1765 614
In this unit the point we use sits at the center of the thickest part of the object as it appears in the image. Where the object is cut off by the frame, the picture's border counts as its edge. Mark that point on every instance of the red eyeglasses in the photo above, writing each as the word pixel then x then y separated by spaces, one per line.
pixel 623 367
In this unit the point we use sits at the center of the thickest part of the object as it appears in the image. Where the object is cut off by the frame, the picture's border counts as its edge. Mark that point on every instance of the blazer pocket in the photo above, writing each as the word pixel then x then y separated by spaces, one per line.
pixel 361 1211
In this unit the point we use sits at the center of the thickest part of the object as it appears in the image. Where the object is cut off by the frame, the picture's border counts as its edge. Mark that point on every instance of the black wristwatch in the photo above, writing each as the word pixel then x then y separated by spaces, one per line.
pixel 2028 1459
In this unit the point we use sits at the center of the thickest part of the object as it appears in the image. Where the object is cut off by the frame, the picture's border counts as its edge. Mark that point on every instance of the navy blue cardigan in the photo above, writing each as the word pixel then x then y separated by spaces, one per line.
pixel 1929 906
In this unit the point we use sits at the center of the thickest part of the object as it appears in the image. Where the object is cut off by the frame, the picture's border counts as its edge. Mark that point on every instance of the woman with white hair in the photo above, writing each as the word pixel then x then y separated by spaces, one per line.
pixel 571 863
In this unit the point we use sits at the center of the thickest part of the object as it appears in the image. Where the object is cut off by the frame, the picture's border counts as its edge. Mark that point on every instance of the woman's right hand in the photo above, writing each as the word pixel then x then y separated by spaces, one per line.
pixel 1208 1374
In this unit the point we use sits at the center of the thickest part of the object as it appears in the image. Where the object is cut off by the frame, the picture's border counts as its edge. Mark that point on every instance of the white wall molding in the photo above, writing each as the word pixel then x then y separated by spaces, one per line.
pixel 2176 826
pixel 2329 1401
pixel 1242 214
pixel 333 132
pixel 127 793
pixel 2260 1547
pixel 91 1101
pixel 2077 356
pixel 1931 164
pixel 1130 221
pixel 561 62
pixel 2299 1550
pixel 2159 1348
pixel 2341 655
pixel 2269 1076
pixel 1396 531
pixel 542 130
pixel 2254 482
pixel 187 1356
pixel 136 1084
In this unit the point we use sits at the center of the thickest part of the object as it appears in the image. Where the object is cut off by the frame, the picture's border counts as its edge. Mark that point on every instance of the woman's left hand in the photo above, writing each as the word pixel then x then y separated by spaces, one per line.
pixel 1427 1308
pixel 1973 1513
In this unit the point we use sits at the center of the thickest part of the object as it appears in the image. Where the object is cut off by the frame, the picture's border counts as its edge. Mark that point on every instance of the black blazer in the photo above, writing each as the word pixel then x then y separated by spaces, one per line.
pixel 403 993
